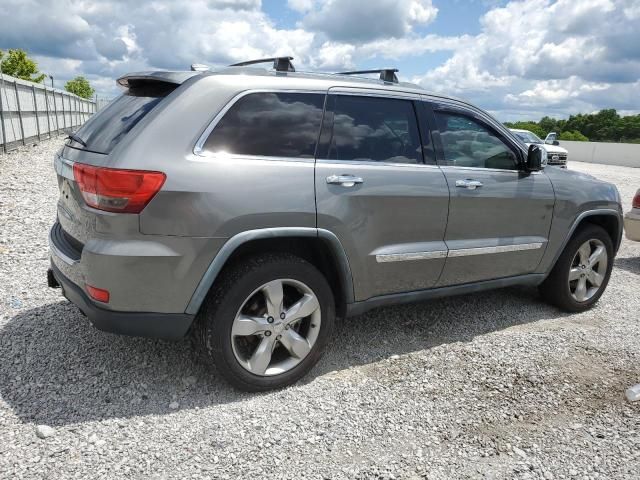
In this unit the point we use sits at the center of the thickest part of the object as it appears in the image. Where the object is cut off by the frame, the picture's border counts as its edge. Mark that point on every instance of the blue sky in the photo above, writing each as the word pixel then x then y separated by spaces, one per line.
pixel 518 59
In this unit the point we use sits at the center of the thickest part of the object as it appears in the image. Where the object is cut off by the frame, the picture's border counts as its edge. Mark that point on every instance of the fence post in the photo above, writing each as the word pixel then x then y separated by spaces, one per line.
pixel 55 109
pixel 46 104
pixel 35 111
pixel 15 85
pixel 4 133
pixel 64 116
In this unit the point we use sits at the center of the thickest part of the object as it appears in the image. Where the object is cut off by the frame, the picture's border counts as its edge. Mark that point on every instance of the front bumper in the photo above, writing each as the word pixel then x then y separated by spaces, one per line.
pixel 171 326
pixel 632 225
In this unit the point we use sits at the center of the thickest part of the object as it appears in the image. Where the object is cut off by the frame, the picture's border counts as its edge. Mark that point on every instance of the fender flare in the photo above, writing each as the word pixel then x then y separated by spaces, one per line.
pixel 230 246
pixel 582 216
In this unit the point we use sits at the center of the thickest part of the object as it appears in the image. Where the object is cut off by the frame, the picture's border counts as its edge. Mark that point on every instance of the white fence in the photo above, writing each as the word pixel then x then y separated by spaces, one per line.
pixel 31 112
pixel 625 154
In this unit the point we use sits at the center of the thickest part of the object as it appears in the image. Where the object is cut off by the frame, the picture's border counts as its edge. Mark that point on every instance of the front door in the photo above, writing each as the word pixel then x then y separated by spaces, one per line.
pixel 381 193
pixel 499 215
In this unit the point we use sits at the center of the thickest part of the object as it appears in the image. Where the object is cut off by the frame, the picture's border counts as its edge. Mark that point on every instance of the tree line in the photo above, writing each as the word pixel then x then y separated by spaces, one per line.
pixel 604 126
pixel 16 62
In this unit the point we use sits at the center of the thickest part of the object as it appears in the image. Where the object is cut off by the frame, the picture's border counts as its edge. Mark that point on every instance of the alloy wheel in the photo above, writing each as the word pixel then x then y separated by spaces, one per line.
pixel 588 270
pixel 276 327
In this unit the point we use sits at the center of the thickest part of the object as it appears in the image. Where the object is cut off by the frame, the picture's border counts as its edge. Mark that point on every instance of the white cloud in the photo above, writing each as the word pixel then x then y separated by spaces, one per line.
pixel 359 21
pixel 534 56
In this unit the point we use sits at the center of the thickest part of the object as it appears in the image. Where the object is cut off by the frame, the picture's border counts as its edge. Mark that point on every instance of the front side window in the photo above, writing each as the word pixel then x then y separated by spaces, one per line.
pixel 269 124
pixel 374 129
pixel 468 143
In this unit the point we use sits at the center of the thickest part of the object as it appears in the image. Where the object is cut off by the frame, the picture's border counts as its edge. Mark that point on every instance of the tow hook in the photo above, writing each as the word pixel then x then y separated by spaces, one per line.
pixel 51 279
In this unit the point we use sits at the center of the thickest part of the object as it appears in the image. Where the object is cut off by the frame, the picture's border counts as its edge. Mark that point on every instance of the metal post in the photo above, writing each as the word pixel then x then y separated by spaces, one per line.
pixel 4 133
pixel 64 116
pixel 46 104
pixel 35 111
pixel 55 109
pixel 15 84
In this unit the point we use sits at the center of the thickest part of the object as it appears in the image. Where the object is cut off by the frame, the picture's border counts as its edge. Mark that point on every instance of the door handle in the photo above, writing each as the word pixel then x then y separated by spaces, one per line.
pixel 344 180
pixel 468 184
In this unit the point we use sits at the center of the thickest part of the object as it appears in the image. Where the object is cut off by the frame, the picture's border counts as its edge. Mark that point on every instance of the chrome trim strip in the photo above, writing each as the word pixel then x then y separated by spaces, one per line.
pixel 339 163
pixel 58 253
pixel 63 167
pixel 198 148
pixel 404 257
pixel 465 252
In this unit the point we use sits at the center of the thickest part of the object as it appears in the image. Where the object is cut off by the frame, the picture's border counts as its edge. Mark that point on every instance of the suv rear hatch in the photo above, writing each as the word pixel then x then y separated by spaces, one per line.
pixel 87 207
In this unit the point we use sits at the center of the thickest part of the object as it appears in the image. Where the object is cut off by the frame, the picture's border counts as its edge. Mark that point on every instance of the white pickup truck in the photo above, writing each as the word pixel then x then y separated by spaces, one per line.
pixel 556 155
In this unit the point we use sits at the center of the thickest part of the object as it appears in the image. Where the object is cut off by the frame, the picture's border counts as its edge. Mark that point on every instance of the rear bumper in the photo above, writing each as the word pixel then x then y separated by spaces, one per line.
pixel 632 225
pixel 171 326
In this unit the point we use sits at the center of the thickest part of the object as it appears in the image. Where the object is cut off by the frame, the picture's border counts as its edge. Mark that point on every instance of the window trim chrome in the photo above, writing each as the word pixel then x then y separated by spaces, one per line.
pixel 198 148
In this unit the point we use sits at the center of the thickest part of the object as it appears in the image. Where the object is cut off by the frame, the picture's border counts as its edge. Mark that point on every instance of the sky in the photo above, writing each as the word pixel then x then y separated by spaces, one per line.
pixel 517 59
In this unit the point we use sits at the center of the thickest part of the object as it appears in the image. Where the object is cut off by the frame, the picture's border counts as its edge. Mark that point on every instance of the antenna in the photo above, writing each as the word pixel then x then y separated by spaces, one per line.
pixel 280 64
pixel 199 67
pixel 386 74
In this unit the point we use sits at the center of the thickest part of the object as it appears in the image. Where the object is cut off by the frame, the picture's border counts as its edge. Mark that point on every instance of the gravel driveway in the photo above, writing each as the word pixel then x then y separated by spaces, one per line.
pixel 492 385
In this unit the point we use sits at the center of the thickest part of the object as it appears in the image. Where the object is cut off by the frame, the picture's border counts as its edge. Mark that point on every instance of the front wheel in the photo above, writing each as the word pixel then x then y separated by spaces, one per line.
pixel 267 321
pixel 582 272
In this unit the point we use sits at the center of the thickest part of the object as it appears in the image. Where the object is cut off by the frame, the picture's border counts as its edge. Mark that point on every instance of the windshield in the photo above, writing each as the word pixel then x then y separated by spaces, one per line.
pixel 528 137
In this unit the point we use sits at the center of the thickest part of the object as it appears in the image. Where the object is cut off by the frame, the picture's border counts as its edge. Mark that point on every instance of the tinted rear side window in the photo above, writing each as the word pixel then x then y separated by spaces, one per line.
pixel 378 129
pixel 105 129
pixel 270 124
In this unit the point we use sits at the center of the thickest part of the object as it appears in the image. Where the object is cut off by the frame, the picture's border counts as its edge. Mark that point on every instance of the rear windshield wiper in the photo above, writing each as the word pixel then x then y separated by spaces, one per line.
pixel 77 139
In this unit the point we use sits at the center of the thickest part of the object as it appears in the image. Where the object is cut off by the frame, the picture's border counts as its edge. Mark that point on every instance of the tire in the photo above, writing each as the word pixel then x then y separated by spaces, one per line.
pixel 243 290
pixel 557 288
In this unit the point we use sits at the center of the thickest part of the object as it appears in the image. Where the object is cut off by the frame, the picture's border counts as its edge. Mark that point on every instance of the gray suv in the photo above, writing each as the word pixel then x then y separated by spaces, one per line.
pixel 251 207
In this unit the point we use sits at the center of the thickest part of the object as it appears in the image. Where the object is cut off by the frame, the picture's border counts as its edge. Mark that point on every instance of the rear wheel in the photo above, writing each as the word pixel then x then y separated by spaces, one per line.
pixel 266 322
pixel 582 272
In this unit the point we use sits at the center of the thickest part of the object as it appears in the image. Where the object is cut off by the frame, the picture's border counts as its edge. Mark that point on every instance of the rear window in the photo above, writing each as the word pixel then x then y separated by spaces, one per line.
pixel 270 124
pixel 104 130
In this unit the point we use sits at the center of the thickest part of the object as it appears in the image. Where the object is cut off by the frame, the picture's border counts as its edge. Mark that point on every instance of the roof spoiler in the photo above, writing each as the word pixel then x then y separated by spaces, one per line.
pixel 172 78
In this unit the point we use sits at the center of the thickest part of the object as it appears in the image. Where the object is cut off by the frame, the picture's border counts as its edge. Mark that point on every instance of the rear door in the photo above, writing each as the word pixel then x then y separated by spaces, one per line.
pixel 380 191
pixel 499 215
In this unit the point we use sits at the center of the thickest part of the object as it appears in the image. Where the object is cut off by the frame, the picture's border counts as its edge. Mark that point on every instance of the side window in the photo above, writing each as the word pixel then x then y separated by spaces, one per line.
pixel 270 124
pixel 371 128
pixel 468 143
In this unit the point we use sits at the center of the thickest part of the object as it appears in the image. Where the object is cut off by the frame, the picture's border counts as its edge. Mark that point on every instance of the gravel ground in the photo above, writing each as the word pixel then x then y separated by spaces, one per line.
pixel 493 385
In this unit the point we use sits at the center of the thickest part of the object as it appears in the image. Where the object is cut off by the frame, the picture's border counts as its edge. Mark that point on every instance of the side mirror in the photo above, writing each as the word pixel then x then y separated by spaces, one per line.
pixel 535 161
pixel 556 143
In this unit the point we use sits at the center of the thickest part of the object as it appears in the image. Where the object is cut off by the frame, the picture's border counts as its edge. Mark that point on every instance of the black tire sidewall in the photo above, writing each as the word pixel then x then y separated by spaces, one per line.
pixel 559 280
pixel 253 275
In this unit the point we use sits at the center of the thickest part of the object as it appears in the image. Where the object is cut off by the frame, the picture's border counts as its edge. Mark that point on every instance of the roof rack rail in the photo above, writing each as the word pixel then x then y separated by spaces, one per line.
pixel 280 64
pixel 386 74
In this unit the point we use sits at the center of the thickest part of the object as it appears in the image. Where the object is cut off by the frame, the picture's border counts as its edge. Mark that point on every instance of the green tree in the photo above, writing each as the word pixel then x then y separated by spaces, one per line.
pixel 80 86
pixel 573 136
pixel 19 65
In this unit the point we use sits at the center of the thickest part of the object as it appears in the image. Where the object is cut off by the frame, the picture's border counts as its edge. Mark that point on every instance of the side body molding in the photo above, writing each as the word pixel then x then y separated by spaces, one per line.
pixel 234 242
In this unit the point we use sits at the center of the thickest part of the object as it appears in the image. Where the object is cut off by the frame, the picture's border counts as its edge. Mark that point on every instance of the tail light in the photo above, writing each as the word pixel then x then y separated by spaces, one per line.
pixel 98 294
pixel 116 190
pixel 636 200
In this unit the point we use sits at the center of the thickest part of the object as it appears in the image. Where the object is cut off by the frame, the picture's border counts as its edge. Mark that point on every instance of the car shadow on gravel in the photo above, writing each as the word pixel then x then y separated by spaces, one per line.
pixel 629 264
pixel 57 369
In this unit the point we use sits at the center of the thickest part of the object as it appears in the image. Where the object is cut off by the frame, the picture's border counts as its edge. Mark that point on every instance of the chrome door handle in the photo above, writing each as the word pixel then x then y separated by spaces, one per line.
pixel 468 184
pixel 344 180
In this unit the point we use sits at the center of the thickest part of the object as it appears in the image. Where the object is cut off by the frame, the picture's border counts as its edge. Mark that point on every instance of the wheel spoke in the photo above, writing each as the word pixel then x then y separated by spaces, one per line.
pixel 302 308
pixel 581 290
pixel 595 278
pixel 574 273
pixel 245 325
pixel 273 295
pixel 584 251
pixel 295 343
pixel 599 255
pixel 259 361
